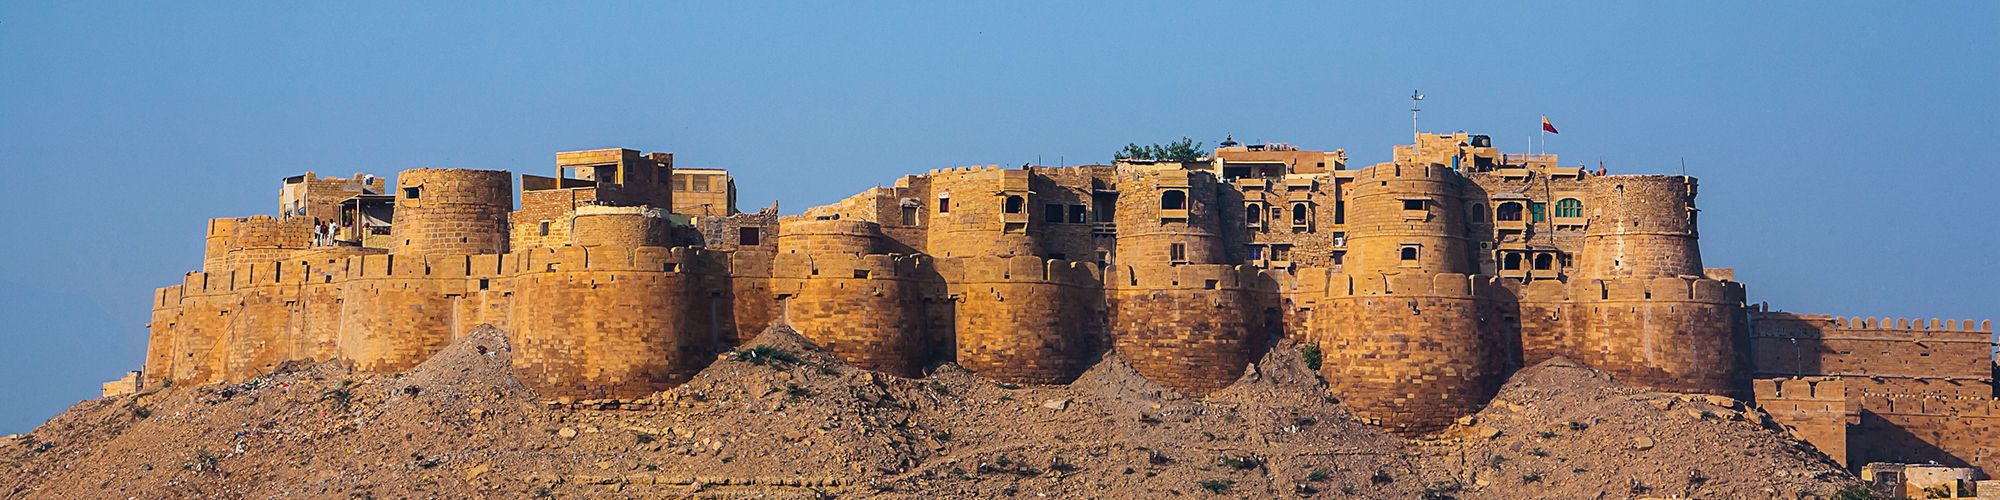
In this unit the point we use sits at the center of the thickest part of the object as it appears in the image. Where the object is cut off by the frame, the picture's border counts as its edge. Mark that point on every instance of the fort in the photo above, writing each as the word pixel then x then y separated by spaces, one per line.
pixel 1424 282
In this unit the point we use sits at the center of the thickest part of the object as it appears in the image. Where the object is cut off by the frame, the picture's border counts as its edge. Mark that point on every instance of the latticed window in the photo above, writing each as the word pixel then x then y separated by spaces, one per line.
pixel 1569 207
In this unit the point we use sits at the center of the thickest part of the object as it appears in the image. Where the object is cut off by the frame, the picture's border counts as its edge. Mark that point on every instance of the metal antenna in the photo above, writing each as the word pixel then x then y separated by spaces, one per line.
pixel 1415 98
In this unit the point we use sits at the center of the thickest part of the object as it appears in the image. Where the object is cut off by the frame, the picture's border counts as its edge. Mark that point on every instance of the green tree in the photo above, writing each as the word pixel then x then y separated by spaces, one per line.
pixel 1183 150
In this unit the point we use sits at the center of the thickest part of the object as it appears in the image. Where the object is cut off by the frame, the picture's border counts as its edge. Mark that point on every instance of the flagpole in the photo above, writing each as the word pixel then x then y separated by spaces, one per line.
pixel 1544 134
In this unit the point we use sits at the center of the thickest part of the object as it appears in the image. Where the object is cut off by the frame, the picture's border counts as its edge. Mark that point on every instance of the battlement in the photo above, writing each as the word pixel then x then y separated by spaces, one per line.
pixel 1685 289
pixel 1019 269
pixel 1193 277
pixel 1775 324
pixel 672 260
pixel 962 170
pixel 853 266
pixel 1802 388
pixel 1439 285
pixel 1400 171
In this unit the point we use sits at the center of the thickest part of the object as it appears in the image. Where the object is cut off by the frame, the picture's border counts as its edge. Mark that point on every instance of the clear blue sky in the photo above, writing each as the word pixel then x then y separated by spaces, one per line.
pixel 1846 152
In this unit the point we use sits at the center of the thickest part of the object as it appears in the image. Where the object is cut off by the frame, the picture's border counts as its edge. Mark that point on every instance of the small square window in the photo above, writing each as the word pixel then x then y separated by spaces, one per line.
pixel 412 192
pixel 1413 204
pixel 748 236
pixel 1177 252
pixel 944 204
pixel 543 228
pixel 1052 213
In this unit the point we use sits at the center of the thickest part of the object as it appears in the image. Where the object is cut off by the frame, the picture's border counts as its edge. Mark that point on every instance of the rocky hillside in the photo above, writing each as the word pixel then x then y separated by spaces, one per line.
pixel 783 419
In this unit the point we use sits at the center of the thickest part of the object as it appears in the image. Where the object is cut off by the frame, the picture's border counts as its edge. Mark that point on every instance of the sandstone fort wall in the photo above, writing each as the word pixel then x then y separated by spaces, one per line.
pixel 1195 327
pixel 1030 275
pixel 1409 352
pixel 1025 319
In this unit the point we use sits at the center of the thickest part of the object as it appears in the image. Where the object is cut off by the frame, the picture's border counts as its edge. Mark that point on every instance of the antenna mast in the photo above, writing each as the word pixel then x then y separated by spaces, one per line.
pixel 1415 98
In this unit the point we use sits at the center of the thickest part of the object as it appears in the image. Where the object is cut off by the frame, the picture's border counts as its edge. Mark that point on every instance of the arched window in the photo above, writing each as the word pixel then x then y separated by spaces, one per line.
pixel 1253 214
pixel 1512 262
pixel 1479 212
pixel 1015 204
pixel 1508 211
pixel 1545 262
pixel 1298 213
pixel 1569 207
pixel 1173 199
pixel 1409 253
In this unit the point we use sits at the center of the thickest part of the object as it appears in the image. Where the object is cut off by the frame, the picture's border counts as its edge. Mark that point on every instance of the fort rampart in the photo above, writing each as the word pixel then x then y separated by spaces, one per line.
pixel 1031 275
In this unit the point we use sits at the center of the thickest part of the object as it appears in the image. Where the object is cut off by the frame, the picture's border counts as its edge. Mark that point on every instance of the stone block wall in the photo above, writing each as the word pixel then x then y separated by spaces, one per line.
pixel 1025 319
pixel 554 207
pixel 1148 230
pixel 799 235
pixel 615 322
pixel 1411 353
pixel 1814 409
pixel 1394 207
pixel 237 240
pixel 1640 226
pixel 866 309
pixel 1668 334
pixel 977 222
pixel 1879 355
pixel 455 212
pixel 1958 432
pixel 1195 327
pixel 621 227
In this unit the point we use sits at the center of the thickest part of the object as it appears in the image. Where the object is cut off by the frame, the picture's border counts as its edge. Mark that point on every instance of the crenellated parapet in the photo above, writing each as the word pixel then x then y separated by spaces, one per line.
pixel 1412 352
pixel 1879 354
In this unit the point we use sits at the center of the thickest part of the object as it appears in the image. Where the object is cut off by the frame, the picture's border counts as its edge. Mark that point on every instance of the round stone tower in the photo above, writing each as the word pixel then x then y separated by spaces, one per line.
pixel 825 237
pixel 1407 219
pixel 1168 216
pixel 451 212
pixel 1639 226
pixel 621 227
pixel 981 211
pixel 1411 352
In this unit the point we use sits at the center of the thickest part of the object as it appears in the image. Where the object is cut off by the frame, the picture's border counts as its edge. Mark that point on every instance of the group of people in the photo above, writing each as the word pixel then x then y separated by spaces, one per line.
pixel 325 233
